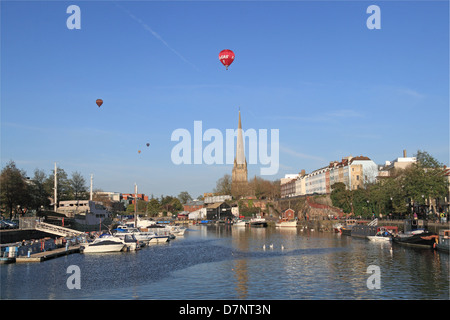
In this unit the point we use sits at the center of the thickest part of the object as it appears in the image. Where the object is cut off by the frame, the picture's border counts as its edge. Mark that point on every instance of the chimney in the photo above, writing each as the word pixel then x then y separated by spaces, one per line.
pixel 404 153
pixel 303 173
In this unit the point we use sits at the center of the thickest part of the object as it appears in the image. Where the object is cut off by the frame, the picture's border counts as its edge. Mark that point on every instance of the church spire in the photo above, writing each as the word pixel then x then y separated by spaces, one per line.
pixel 239 183
pixel 240 155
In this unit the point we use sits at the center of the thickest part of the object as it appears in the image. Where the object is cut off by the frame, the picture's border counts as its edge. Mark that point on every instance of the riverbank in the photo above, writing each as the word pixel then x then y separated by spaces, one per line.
pixel 327 225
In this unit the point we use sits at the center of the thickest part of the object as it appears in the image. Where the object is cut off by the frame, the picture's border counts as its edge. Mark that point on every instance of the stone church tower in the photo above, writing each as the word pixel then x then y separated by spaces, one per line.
pixel 239 182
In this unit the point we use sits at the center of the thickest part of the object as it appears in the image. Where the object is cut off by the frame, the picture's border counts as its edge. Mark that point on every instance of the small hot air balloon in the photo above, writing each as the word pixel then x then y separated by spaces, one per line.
pixel 99 102
pixel 139 151
pixel 148 144
pixel 226 57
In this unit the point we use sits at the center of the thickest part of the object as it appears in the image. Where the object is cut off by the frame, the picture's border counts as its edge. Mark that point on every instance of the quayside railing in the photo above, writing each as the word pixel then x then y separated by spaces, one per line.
pixel 33 223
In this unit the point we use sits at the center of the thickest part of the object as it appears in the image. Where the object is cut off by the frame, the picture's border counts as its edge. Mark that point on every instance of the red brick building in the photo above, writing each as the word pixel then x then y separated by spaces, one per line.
pixel 192 206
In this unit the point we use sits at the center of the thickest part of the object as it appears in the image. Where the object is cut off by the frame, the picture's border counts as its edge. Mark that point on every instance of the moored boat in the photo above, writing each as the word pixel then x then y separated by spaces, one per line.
pixel 143 235
pixel 384 234
pixel 103 243
pixel 347 228
pixel 338 227
pixel 286 223
pixel 176 230
pixel 132 244
pixel 415 234
pixel 443 243
pixel 258 222
pixel 240 223
pixel 379 238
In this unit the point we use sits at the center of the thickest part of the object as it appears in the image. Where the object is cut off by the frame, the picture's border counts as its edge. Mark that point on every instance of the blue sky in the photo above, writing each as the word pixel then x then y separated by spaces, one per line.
pixel 313 70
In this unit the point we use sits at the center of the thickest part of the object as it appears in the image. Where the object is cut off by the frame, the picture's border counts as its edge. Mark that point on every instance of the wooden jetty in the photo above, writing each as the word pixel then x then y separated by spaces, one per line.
pixel 46 255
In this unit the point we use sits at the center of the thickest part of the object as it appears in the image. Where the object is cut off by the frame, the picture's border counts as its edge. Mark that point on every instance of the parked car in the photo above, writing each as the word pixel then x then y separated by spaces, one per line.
pixel 8 224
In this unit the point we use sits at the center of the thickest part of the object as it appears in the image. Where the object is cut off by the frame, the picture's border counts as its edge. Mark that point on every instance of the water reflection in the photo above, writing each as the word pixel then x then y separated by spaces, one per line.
pixel 224 262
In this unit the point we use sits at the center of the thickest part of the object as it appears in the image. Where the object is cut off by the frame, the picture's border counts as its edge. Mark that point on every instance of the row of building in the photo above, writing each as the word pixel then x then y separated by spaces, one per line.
pixel 211 208
pixel 354 172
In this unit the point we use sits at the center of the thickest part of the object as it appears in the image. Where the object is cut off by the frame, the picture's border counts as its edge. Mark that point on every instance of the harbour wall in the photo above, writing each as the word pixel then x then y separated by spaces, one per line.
pixel 327 225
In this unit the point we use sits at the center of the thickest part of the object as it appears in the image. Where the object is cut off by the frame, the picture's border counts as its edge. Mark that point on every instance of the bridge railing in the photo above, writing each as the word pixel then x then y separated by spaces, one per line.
pixel 61 231
pixel 27 223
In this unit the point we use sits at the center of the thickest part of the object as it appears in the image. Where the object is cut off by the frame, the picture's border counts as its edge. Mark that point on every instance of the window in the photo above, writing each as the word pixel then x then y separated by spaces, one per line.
pixel 357 177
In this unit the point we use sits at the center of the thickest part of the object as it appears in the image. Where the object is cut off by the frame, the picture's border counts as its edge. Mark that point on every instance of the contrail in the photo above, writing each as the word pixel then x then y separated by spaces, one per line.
pixel 156 35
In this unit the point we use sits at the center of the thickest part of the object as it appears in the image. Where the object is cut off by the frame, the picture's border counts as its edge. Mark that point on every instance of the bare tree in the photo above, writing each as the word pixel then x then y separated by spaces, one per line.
pixel 223 185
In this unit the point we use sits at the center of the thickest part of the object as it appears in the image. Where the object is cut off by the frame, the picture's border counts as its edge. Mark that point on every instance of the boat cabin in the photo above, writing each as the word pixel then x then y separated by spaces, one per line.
pixel 415 224
pixel 390 229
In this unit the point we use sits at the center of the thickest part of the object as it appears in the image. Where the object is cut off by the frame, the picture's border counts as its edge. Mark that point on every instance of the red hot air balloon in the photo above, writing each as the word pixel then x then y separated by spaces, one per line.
pixel 99 102
pixel 226 57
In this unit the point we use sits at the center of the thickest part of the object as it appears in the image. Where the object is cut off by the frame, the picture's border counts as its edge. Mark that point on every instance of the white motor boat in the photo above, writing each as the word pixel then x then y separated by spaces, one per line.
pixel 104 243
pixel 240 223
pixel 286 223
pixel 130 240
pixel 381 236
pixel 176 230
pixel 159 239
pixel 147 237
pixel 141 236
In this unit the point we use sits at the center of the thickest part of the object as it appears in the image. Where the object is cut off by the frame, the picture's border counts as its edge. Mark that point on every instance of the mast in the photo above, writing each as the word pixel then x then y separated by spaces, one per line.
pixel 55 188
pixel 90 197
pixel 135 205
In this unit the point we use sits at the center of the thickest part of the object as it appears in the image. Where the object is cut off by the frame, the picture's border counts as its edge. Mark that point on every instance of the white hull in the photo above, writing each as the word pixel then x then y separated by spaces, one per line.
pixel 379 239
pixel 103 248
pixel 240 223
pixel 289 224
pixel 176 230
pixel 158 240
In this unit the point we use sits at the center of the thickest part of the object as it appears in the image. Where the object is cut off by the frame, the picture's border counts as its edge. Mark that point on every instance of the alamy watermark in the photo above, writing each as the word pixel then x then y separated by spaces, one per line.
pixel 374 280
pixel 74 280
pixel 191 150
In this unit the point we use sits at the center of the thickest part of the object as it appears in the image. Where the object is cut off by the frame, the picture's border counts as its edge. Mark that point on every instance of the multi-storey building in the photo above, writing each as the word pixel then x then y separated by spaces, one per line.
pixel 354 172
pixel 399 163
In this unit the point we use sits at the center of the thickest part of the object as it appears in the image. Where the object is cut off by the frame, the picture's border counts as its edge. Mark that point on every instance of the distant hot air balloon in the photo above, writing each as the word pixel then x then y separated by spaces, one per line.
pixel 139 151
pixel 99 102
pixel 226 57
pixel 148 144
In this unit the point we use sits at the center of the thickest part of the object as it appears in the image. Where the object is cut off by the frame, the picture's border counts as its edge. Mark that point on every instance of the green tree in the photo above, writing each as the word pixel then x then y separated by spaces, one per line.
pixel 141 207
pixel 78 186
pixel 170 204
pixel 341 197
pixel 425 160
pixel 14 189
pixel 153 207
pixel 423 183
pixel 38 196
pixel 394 189
pixel 64 190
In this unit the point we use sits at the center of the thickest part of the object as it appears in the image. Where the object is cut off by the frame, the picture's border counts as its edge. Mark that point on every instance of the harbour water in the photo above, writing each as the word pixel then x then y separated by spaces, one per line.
pixel 225 262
